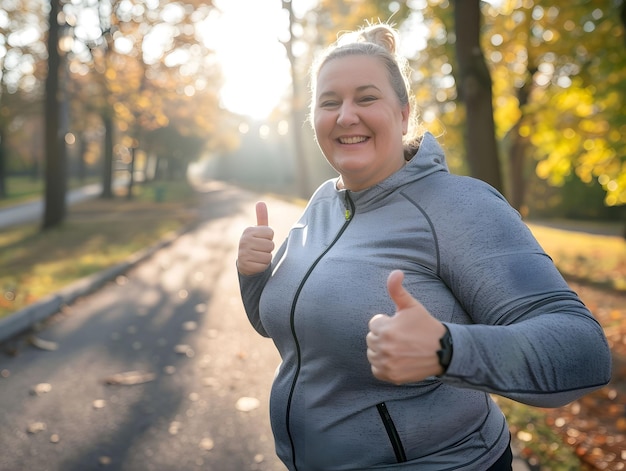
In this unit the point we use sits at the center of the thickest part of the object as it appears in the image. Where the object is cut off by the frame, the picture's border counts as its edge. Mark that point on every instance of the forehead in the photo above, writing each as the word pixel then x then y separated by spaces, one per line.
pixel 350 72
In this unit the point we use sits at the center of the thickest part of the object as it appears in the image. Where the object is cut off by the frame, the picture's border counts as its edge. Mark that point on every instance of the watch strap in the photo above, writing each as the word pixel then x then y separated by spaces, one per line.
pixel 445 353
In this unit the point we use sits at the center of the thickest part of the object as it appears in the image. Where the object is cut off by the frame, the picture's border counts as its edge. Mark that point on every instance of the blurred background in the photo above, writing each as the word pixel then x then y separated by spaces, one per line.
pixel 152 89
pixel 141 105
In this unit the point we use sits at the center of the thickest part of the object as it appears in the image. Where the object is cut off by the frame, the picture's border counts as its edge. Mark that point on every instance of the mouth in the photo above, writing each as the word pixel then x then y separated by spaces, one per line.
pixel 352 139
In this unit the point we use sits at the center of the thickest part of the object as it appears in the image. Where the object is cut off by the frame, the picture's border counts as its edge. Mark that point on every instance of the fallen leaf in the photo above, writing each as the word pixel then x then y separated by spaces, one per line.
pixel 130 378
pixel 247 404
pixel 121 280
pixel 40 389
pixel 186 350
pixel 99 403
pixel 36 427
pixel 174 427
pixel 207 444
pixel 42 344
pixel 190 326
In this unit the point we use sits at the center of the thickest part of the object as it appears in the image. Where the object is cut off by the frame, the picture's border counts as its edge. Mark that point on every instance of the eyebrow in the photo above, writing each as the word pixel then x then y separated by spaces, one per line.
pixel 360 89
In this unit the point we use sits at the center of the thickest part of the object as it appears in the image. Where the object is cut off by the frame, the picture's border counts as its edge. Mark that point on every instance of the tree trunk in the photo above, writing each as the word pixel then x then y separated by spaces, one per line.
pixel 82 152
pixel 54 212
pixel 302 170
pixel 474 86
pixel 517 156
pixel 107 158
pixel 623 16
pixel 517 160
pixel 131 174
pixel 3 167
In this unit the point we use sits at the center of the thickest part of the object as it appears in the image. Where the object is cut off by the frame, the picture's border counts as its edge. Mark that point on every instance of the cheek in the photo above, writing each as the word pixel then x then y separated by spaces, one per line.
pixel 322 126
pixel 318 124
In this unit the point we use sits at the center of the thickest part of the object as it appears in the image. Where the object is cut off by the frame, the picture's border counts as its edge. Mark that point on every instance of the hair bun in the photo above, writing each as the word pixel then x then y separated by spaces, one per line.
pixel 381 34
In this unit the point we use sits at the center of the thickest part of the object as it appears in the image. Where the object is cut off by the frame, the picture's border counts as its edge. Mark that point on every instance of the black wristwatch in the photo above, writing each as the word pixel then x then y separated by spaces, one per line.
pixel 445 354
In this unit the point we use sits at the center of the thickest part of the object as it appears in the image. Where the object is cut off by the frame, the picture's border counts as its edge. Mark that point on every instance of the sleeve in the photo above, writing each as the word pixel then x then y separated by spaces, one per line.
pixel 532 338
pixel 251 287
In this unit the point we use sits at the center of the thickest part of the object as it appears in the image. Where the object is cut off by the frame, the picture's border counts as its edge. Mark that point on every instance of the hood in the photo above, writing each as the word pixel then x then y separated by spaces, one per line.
pixel 429 159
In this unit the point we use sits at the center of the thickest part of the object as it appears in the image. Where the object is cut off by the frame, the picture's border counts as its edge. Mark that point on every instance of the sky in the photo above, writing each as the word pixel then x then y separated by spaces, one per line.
pixel 245 36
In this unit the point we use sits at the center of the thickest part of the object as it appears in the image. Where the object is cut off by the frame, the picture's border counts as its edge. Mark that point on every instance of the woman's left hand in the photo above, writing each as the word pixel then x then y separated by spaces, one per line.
pixel 403 348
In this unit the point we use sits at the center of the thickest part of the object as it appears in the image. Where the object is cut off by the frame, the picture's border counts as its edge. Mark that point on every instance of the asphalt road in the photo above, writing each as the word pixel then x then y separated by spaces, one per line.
pixel 177 322
pixel 157 370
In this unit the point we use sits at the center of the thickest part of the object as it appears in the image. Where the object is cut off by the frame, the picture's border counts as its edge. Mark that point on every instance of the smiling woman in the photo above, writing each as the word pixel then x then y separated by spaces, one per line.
pixel 245 36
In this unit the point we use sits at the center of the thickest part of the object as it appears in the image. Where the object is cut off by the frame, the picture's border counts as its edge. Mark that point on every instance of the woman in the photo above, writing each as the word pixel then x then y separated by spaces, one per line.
pixel 405 295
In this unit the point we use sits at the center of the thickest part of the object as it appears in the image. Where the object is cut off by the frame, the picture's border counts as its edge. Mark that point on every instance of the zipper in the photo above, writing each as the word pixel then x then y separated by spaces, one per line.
pixel 349 205
pixel 392 432
pixel 349 214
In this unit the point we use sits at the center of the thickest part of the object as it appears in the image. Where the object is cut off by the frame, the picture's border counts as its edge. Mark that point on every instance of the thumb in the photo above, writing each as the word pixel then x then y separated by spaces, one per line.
pixel 398 294
pixel 262 218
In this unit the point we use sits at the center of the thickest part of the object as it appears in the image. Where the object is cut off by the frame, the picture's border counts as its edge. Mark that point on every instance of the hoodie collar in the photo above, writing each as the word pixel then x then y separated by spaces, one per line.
pixel 429 159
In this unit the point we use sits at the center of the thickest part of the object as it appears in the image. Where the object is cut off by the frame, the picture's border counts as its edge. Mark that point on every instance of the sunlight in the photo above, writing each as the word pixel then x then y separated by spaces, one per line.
pixel 245 35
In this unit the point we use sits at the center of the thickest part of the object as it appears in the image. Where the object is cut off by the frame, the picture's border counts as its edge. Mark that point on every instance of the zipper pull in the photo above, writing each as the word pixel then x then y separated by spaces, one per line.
pixel 349 206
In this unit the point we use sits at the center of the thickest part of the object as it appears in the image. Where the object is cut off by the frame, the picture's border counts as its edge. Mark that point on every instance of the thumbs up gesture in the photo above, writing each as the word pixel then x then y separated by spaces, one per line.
pixel 256 244
pixel 403 348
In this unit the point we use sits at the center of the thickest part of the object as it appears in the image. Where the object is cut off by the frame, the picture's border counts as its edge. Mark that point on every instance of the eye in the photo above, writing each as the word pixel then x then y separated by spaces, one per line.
pixel 368 99
pixel 329 104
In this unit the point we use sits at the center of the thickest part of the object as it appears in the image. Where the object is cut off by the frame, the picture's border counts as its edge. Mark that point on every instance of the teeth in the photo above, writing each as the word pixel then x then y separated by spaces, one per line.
pixel 351 140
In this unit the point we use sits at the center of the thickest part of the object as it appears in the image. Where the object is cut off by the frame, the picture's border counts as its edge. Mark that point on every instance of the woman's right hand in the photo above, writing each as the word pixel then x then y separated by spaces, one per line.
pixel 256 244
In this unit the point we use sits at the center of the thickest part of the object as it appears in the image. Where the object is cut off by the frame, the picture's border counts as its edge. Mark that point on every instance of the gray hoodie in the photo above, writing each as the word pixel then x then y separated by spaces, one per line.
pixel 518 330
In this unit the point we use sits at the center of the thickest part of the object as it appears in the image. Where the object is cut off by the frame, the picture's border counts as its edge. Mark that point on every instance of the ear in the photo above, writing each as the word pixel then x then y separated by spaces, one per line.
pixel 406 111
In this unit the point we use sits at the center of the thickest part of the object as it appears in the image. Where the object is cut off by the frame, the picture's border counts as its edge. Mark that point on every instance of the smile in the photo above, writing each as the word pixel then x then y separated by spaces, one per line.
pixel 352 140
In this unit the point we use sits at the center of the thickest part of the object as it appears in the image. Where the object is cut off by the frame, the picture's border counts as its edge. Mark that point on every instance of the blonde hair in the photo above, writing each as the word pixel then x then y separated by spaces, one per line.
pixel 379 41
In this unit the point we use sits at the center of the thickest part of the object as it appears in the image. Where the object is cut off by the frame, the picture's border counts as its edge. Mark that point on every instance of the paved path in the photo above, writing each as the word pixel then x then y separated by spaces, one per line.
pixel 157 370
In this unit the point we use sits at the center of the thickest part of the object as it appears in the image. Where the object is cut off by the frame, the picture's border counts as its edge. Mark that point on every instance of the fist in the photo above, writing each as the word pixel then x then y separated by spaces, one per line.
pixel 256 244
pixel 403 348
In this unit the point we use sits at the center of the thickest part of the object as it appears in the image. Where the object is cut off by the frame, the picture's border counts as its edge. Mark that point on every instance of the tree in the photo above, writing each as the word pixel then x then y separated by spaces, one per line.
pixel 552 115
pixel 298 108
pixel 54 211
pixel 546 61
pixel 475 91
pixel 158 74
pixel 21 72
pixel 146 69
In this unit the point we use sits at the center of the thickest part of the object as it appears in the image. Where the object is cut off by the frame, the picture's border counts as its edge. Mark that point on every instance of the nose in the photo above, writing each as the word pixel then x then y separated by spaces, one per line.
pixel 347 115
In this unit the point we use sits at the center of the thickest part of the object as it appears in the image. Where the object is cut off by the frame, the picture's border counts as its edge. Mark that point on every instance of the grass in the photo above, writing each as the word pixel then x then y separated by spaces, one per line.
pixel 23 189
pixel 96 235
pixel 541 443
pixel 596 259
